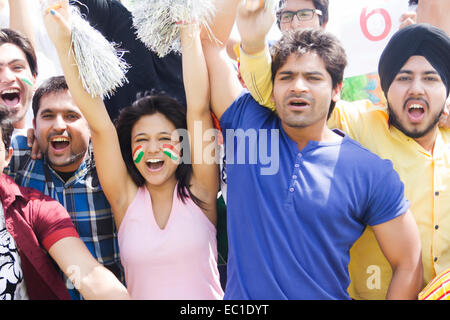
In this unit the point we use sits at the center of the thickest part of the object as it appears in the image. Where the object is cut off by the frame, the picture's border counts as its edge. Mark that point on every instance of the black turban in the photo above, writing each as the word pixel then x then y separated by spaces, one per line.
pixel 415 40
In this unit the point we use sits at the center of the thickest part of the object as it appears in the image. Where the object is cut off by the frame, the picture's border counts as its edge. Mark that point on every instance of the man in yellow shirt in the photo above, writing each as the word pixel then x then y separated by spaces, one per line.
pixel 415 75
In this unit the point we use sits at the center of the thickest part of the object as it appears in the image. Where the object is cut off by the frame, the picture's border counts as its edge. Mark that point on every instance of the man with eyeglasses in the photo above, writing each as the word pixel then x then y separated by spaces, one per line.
pixel 299 14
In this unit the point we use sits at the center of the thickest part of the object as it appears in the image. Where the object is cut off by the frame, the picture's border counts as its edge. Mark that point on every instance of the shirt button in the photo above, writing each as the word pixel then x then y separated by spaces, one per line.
pixel 436 193
pixel 296 165
pixel 294 177
pixel 435 259
pixel 300 155
pixel 436 227
pixel 291 189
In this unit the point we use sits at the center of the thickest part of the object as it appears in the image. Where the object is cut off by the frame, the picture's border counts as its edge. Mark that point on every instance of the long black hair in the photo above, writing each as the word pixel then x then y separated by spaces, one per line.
pixel 150 103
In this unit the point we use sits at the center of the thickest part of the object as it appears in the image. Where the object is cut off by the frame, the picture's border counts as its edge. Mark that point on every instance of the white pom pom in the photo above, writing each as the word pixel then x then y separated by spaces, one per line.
pixel 101 66
pixel 157 21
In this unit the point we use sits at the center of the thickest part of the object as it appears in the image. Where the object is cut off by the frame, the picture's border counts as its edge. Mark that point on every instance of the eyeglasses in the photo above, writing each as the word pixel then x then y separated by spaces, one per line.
pixel 302 15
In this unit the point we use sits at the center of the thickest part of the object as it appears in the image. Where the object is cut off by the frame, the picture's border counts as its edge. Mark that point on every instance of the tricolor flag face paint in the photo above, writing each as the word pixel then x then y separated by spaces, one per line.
pixel 138 154
pixel 170 151
pixel 28 82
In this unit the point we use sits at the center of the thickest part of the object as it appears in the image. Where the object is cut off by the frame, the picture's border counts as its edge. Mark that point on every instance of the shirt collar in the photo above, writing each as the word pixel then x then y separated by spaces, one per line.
pixel 9 191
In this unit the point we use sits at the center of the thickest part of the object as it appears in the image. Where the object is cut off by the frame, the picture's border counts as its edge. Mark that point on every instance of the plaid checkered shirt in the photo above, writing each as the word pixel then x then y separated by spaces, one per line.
pixel 83 198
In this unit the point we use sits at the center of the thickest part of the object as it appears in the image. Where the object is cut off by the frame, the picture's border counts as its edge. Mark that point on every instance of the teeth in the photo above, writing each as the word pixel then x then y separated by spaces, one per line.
pixel 59 139
pixel 415 106
pixel 154 160
pixel 10 91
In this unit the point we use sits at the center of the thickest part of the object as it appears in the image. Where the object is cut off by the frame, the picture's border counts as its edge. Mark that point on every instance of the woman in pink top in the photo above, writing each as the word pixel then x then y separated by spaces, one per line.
pixel 164 207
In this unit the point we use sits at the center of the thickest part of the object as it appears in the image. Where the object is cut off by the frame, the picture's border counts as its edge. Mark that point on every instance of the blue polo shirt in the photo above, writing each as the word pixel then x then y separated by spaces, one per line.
pixel 294 215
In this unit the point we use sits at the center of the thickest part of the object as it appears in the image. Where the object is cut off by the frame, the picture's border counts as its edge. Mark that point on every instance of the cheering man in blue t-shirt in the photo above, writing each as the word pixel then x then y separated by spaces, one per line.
pixel 300 194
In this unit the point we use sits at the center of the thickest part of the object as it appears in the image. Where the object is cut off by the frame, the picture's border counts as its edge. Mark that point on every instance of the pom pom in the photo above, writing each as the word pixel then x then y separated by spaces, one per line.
pixel 157 22
pixel 270 4
pixel 100 63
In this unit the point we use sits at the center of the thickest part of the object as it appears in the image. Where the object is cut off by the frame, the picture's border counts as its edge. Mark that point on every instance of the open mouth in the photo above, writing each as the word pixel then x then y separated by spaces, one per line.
pixel 59 143
pixel 298 103
pixel 154 164
pixel 10 97
pixel 416 112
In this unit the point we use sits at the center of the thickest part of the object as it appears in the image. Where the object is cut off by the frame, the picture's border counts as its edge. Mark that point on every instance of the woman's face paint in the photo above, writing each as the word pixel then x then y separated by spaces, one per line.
pixel 170 151
pixel 138 154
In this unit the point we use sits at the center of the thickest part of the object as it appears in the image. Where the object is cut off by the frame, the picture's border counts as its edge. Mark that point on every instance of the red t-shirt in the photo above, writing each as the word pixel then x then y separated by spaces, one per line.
pixel 36 222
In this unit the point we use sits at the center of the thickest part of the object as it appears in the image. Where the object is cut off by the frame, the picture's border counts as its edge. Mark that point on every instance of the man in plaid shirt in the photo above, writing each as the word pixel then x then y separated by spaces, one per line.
pixel 67 171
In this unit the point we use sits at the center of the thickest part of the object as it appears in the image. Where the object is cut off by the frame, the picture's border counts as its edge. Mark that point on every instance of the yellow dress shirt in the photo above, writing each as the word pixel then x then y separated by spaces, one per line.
pixel 426 177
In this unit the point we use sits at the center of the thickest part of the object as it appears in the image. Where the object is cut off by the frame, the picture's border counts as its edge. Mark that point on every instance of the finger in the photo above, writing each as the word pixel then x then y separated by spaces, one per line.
pixel 30 137
pixel 54 7
pixel 35 152
pixel 60 13
pixel 253 5
pixel 408 15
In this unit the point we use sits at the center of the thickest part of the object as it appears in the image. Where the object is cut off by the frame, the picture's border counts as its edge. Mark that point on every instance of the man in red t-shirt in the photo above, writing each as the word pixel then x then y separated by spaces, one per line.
pixel 32 225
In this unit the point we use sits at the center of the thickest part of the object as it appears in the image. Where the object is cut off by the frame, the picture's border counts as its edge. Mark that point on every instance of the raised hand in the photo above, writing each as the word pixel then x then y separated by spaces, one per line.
pixel 57 21
pixel 253 22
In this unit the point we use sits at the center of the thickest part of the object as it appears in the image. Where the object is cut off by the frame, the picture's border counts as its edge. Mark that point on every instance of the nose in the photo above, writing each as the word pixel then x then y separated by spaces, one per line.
pixel 299 85
pixel 59 124
pixel 416 88
pixel 296 23
pixel 154 146
pixel 6 75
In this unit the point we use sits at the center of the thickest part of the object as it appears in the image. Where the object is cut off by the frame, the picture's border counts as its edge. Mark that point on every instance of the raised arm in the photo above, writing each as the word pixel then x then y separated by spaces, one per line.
pixel 205 179
pixel 434 12
pixel 255 67
pixel 19 19
pixel 224 83
pixel 223 21
pixel 115 181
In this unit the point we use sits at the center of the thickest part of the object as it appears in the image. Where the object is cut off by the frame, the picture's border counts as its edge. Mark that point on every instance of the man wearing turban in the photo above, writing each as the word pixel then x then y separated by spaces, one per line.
pixel 414 70
pixel 415 75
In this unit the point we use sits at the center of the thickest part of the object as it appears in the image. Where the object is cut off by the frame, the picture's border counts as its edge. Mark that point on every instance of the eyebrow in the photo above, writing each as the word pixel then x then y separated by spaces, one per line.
pixel 426 72
pixel 309 73
pixel 48 110
pixel 13 62
pixel 145 134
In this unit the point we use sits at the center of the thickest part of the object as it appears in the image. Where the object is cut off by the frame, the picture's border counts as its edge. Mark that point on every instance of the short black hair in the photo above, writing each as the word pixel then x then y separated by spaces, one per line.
pixel 6 126
pixel 50 85
pixel 413 2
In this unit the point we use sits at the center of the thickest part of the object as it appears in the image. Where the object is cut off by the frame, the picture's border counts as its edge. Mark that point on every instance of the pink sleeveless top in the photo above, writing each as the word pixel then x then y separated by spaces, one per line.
pixel 178 262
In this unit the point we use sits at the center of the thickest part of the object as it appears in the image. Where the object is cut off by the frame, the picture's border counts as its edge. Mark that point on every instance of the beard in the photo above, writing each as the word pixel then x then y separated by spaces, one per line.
pixel 414 134
pixel 61 163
